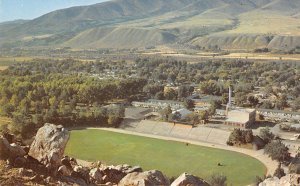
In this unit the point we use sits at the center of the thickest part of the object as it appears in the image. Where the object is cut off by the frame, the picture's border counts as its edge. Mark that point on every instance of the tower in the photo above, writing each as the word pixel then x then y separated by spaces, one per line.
pixel 229 100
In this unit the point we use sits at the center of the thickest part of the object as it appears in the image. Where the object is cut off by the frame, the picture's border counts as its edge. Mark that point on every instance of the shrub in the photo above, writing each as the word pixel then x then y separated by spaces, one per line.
pixel 277 151
pixel 266 135
pixel 279 172
pixel 218 180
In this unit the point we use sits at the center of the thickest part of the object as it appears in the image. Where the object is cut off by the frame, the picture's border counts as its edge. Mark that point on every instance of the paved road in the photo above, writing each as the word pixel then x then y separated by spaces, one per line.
pixel 259 155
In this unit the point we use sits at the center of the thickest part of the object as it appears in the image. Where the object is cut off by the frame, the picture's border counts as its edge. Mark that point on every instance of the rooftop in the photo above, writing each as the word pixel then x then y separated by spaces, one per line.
pixel 136 112
pixel 279 111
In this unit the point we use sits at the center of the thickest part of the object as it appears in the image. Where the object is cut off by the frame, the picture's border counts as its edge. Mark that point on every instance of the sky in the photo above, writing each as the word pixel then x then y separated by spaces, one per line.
pixel 30 9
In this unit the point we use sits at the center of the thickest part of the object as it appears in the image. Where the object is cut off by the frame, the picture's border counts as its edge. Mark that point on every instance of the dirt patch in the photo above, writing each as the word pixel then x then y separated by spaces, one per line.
pixel 3 68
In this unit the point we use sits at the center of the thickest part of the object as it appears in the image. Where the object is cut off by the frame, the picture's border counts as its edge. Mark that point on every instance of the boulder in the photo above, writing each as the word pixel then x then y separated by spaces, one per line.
pixel 16 150
pixel 10 137
pixel 113 175
pixel 49 145
pixel 288 180
pixel 95 175
pixel 189 180
pixel 26 172
pixel 64 171
pixel 148 178
pixel 82 173
pixel 20 162
pixel 66 161
pixel 127 168
pixel 4 148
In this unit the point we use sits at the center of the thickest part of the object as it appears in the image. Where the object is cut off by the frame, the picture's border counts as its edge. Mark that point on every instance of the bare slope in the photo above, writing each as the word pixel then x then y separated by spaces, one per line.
pixel 230 24
pixel 121 37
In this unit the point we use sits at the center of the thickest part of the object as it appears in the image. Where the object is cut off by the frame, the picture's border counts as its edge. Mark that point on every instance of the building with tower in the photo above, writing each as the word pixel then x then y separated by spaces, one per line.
pixel 239 117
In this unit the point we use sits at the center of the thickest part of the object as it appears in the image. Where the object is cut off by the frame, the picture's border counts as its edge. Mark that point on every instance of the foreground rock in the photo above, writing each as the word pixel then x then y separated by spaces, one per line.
pixel 288 180
pixel 189 180
pixel 49 145
pixel 11 151
pixel 4 148
pixel 95 175
pixel 148 178
pixel 44 164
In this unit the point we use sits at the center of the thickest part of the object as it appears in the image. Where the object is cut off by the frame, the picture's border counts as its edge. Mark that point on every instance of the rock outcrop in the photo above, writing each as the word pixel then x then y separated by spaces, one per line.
pixel 44 164
pixel 288 180
pixel 4 148
pixel 95 175
pixel 186 179
pixel 148 178
pixel 49 145
pixel 10 150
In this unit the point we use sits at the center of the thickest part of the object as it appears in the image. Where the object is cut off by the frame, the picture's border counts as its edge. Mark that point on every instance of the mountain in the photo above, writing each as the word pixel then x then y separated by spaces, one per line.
pixel 229 24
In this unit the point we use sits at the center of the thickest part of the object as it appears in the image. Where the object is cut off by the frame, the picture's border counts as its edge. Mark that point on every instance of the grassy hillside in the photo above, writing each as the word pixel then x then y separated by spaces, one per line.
pixel 121 37
pixel 229 24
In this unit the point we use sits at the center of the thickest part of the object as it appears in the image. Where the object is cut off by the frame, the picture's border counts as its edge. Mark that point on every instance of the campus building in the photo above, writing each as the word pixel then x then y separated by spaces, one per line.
pixel 240 117
pixel 157 105
pixel 279 115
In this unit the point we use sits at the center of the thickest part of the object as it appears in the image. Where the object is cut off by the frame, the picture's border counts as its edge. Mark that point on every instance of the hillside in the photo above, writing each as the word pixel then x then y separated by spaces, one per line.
pixel 230 24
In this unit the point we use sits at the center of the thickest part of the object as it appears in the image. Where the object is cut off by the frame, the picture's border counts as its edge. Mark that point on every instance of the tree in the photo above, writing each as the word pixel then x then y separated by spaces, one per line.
pixel 159 95
pixel 170 94
pixel 253 101
pixel 267 105
pixel 248 136
pixel 239 136
pixel 296 104
pixel 203 115
pixel 183 92
pixel 240 98
pixel 175 117
pixel 225 98
pixel 7 110
pixel 218 180
pixel 193 118
pixel 113 120
pixel 266 135
pixel 277 151
pixel 214 105
pixel 189 104
pixel 165 113
pixel 281 103
pixel 279 172
pixel 24 106
pixel 14 100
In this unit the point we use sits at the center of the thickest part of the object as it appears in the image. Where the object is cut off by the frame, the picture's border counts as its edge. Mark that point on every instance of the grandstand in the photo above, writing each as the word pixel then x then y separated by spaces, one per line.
pixel 200 133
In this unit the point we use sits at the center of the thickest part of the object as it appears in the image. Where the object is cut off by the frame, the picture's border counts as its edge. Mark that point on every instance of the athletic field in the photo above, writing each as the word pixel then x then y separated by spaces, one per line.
pixel 172 158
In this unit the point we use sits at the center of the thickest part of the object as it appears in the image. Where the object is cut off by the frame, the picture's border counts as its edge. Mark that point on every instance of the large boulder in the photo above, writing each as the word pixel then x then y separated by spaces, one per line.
pixel 4 148
pixel 148 178
pixel 95 175
pixel 16 150
pixel 288 180
pixel 64 171
pixel 189 180
pixel 127 168
pixel 49 145
pixel 113 175
pixel 10 151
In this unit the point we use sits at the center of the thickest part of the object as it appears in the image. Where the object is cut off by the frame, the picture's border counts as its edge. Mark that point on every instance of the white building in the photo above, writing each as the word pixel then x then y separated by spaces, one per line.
pixel 241 117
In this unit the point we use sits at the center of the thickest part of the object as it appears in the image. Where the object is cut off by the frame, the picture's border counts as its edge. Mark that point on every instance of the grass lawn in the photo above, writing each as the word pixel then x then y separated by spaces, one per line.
pixel 172 158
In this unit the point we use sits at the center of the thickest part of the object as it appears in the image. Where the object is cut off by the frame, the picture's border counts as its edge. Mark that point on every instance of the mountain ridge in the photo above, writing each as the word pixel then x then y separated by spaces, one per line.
pixel 196 22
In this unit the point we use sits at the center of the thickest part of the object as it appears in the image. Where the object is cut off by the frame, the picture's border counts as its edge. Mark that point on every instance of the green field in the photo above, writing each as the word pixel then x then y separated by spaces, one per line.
pixel 172 158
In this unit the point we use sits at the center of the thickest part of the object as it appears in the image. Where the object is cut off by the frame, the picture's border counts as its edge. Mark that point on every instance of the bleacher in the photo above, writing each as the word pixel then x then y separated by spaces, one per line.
pixel 201 133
